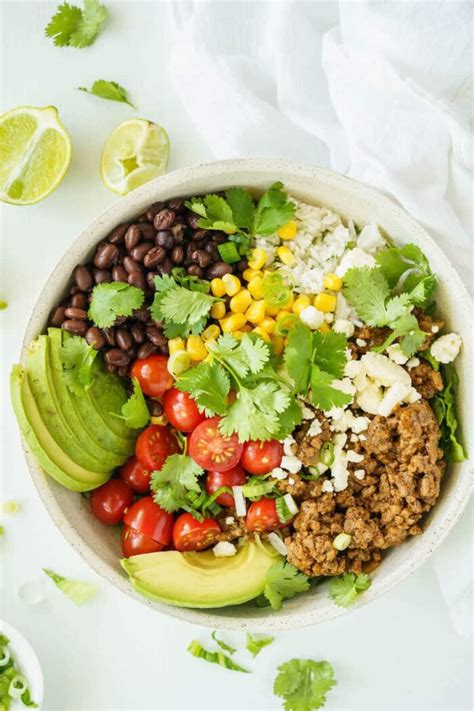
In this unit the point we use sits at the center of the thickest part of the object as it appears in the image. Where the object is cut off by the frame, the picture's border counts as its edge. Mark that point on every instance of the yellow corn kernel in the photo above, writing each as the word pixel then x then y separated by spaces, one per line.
pixel 234 322
pixel 246 328
pixel 196 348
pixel 255 287
pixel 249 274
pixel 332 282
pixel 240 302
pixel 272 310
pixel 300 303
pixel 282 314
pixel 288 231
pixel 175 344
pixel 238 334
pixel 217 287
pixel 161 420
pixel 278 344
pixel 218 310
pixel 286 256
pixel 268 324
pixel 324 327
pixel 211 332
pixel 258 259
pixel 232 284
pixel 262 333
pixel 256 312
pixel 325 302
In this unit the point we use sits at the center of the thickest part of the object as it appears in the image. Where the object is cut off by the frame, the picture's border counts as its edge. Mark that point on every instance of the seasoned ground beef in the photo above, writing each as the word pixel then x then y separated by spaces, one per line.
pixel 403 465
pixel 307 448
pixel 371 337
pixel 230 531
pixel 427 381
pixel 426 322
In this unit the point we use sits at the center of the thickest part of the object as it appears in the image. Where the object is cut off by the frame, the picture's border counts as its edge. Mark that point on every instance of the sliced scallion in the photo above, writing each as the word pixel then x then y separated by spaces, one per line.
pixel 228 252
pixel 214 657
pixel 326 454
pixel 18 686
pixel 4 656
pixel 283 512
pixel 255 488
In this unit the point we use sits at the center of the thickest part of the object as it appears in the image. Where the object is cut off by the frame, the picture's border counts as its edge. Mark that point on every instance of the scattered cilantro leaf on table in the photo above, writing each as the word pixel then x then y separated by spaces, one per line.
pixel 283 581
pixel 135 411
pixel 183 310
pixel 223 645
pixel 256 643
pixel 77 359
pixel 173 482
pixel 214 657
pixel 444 405
pixel 304 683
pixel 73 27
pixel 108 90
pixel 209 385
pixel 112 300
pixel 345 589
pixel 76 590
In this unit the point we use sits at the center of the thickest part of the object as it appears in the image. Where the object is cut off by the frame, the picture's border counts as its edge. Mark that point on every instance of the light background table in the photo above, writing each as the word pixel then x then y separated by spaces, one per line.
pixel 401 652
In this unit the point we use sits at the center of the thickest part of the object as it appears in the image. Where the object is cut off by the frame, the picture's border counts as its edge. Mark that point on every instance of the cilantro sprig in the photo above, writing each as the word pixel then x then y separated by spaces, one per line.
pixel 283 581
pixel 175 481
pixel 304 683
pixel 183 310
pixel 72 27
pixel 77 360
pixel 346 589
pixel 108 90
pixel 112 300
pixel 135 411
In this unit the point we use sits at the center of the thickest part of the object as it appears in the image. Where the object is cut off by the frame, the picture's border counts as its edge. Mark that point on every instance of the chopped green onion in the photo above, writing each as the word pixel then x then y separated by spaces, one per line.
pixel 342 541
pixel 228 252
pixel 326 454
pixel 255 643
pixel 285 324
pixel 76 590
pixel 275 293
pixel 313 475
pixel 255 488
pixel 18 686
pixel 214 657
pixel 216 494
pixel 283 512
pixel 178 362
pixel 223 645
pixel 4 656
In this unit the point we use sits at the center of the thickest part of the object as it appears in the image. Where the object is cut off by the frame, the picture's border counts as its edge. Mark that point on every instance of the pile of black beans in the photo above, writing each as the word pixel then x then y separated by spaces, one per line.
pixel 165 236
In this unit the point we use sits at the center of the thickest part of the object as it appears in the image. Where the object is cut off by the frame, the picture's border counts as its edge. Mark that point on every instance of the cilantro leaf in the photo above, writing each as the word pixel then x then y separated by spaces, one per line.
pixel 273 211
pixel 323 394
pixel 114 299
pixel 171 484
pixel 298 355
pixel 330 352
pixel 303 684
pixel 182 310
pixel 248 354
pixel 254 414
pixel 242 205
pixel 223 645
pixel 405 327
pixel 63 24
pixel 444 405
pixel 367 290
pixel 283 581
pixel 135 410
pixel 76 590
pixel 288 420
pixel 77 359
pixel 209 386
pixel 214 657
pixel 71 26
pixel 407 269
pixel 215 213
pixel 255 643
pixel 108 90
pixel 345 589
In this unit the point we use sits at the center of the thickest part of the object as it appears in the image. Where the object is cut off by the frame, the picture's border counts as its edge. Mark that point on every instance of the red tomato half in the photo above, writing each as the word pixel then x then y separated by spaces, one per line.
pixel 110 500
pixel 148 518
pixel 181 410
pixel 136 476
pixel 154 445
pixel 262 457
pixel 262 517
pixel 213 450
pixel 152 375
pixel 135 543
pixel 231 477
pixel 192 535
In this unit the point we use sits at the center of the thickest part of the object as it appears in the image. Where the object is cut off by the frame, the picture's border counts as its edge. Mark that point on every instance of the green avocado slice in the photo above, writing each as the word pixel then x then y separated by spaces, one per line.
pixel 58 422
pixel 81 411
pixel 200 579
pixel 51 457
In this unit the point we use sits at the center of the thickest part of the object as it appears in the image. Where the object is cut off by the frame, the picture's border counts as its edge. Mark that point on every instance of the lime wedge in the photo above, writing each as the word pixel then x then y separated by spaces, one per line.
pixel 136 152
pixel 35 153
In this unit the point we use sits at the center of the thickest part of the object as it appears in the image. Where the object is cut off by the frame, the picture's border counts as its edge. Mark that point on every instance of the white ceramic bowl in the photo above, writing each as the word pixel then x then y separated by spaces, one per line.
pixel 27 663
pixel 98 545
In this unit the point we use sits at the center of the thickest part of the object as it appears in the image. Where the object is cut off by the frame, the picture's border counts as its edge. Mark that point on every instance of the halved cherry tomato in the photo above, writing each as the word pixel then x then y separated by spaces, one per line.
pixel 192 535
pixel 231 477
pixel 262 516
pixel 154 445
pixel 151 520
pixel 110 500
pixel 135 543
pixel 213 450
pixel 152 375
pixel 261 457
pixel 136 476
pixel 181 410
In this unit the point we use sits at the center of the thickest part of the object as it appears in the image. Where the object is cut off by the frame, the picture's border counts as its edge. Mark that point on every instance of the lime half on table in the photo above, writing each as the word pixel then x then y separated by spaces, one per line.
pixel 136 152
pixel 35 153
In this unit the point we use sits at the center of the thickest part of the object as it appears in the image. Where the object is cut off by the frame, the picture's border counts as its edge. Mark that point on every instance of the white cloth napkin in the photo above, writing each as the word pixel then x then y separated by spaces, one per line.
pixel 380 91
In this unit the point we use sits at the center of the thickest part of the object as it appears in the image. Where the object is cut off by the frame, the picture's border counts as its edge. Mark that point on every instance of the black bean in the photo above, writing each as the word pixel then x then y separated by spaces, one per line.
pixel 74 326
pixel 138 252
pixel 137 279
pixel 156 336
pixel 155 408
pixel 164 349
pixel 176 204
pixel 192 219
pixel 102 276
pixel 242 265
pixel 177 255
pixel 218 269
pixel 201 257
pixel 211 249
pixel 148 231
pixel 138 332
pixel 119 273
pixel 79 300
pixel 123 339
pixel 106 255
pixel 79 314
pixel 132 237
pixel 131 265
pixel 109 334
pixel 164 219
pixel 74 290
pixel 58 316
pixel 116 357
pixel 200 235
pixel 219 238
pixel 111 368
pixel 142 218
pixel 83 278
pixel 178 232
pixel 95 337
pixel 141 314
pixel 153 257
pixel 165 267
pixel 164 239
pixel 195 270
pixel 123 371
pixel 150 280
pixel 146 350
pixel 117 234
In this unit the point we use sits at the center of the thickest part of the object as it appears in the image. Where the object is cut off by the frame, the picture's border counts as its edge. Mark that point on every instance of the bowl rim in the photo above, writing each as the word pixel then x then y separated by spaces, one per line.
pixel 115 214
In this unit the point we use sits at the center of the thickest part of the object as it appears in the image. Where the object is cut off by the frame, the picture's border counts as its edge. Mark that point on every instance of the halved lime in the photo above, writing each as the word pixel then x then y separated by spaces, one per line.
pixel 35 153
pixel 136 152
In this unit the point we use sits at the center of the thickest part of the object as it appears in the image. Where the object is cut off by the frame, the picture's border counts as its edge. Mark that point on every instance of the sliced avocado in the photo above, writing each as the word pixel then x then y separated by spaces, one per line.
pixel 93 433
pixel 201 579
pixel 49 454
pixel 58 423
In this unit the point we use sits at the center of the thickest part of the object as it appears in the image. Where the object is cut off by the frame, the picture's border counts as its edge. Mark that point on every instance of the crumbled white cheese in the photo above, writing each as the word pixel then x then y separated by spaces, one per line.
pixel 396 354
pixel 291 481
pixel 312 317
pixel 359 473
pixel 359 424
pixel 308 413
pixel 230 520
pixel 339 470
pixel 369 398
pixel 394 395
pixel 356 257
pixel 370 239
pixel 343 325
pixel 362 438
pixel 434 328
pixel 335 413
pixel 279 474
pixel 360 342
pixel 327 486
pixel 291 463
pixel 224 549
pixel 288 445
pixel 413 362
pixel 314 428
pixel 355 457
pixel 354 438
pixel 446 348
pixel 345 385
pixel 383 370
